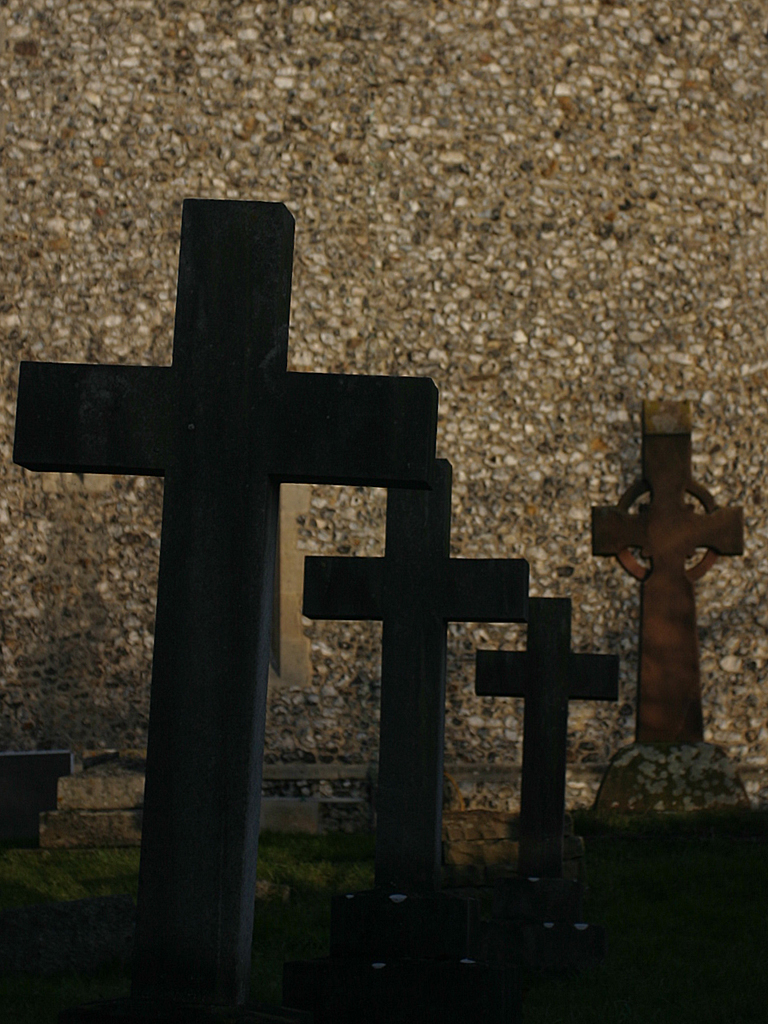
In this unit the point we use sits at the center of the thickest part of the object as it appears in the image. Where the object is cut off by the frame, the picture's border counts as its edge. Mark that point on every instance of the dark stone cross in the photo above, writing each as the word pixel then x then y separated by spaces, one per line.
pixel 668 531
pixel 416 589
pixel 224 424
pixel 548 674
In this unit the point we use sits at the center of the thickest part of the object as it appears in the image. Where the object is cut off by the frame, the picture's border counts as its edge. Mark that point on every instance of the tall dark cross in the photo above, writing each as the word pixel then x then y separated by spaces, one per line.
pixel 416 589
pixel 667 531
pixel 224 424
pixel 548 675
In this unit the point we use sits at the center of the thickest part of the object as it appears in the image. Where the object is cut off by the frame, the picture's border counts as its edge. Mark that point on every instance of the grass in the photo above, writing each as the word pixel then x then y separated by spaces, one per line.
pixel 684 901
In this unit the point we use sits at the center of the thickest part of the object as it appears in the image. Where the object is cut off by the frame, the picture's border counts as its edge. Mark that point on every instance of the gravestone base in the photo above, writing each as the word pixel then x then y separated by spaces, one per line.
pixel 481 847
pixel 380 924
pixel 670 778
pixel 549 947
pixel 537 923
pixel 144 1011
pixel 356 990
pixel 538 899
pixel 403 958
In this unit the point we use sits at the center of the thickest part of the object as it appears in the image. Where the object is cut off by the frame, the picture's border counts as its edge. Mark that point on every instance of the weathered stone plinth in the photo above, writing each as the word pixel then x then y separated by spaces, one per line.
pixel 387 925
pixel 480 847
pixel 537 923
pixel 401 958
pixel 670 777
pixel 101 805
pixel 130 1011
pixel 403 991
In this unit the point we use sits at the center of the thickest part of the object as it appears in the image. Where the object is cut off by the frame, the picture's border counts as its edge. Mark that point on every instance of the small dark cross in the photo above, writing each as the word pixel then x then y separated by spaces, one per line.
pixel 548 674
pixel 224 424
pixel 667 531
pixel 416 589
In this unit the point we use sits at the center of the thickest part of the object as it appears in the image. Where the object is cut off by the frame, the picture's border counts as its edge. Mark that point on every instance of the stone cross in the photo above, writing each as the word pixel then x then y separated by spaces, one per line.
pixel 224 424
pixel 668 531
pixel 548 674
pixel 416 589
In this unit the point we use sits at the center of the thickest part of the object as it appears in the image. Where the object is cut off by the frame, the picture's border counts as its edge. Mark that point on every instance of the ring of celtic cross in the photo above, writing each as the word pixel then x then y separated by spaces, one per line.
pixel 628 560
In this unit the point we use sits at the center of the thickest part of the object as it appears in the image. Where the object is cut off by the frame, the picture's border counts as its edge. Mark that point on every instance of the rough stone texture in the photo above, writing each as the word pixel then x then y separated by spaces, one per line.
pixel 555 210
pixel 671 777
pixel 482 846
pixel 67 829
pixel 101 804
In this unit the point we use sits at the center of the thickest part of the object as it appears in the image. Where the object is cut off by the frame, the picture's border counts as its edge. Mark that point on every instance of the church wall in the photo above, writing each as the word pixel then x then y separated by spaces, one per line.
pixel 554 210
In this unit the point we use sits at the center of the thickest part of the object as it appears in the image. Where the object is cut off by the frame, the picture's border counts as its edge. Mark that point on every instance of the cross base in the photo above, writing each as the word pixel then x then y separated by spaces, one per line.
pixel 380 923
pixel 670 778
pixel 537 923
pixel 551 947
pixel 352 990
pixel 146 1011
pixel 538 899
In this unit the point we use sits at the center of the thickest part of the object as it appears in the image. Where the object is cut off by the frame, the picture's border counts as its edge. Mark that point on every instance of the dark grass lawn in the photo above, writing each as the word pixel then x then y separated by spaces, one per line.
pixel 684 903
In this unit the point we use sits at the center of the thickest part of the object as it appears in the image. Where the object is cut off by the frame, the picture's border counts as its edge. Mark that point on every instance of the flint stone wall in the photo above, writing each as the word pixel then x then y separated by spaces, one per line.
pixel 553 209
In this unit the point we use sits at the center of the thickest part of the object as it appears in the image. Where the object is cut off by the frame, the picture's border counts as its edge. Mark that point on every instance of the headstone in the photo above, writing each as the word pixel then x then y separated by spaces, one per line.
pixel 670 778
pixel 224 424
pixel 667 531
pixel 538 914
pixel 406 923
pixel 28 781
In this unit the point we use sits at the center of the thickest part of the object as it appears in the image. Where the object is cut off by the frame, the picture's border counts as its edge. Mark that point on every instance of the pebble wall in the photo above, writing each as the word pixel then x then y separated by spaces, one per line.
pixel 555 210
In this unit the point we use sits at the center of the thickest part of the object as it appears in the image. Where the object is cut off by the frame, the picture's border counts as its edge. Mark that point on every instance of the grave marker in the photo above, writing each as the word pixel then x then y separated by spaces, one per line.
pixel 416 589
pixel 224 424
pixel 548 675
pixel 668 531
pixel 421 935
pixel 536 917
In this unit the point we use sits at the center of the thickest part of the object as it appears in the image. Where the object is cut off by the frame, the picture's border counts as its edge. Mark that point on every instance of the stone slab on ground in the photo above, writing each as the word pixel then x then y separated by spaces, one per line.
pixel 100 792
pixel 101 804
pixel 670 777
pixel 74 829
pixel 122 827
pixel 79 935
pixel 403 991
pixel 290 814
pixel 482 846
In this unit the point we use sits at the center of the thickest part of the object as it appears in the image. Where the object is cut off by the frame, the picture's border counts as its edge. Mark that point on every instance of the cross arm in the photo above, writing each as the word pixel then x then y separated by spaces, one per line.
pixel 501 673
pixel 486 590
pixel 721 530
pixel 344 429
pixel 506 674
pixel 343 588
pixel 593 677
pixel 614 530
pixel 81 418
